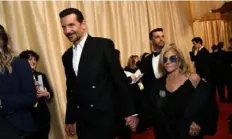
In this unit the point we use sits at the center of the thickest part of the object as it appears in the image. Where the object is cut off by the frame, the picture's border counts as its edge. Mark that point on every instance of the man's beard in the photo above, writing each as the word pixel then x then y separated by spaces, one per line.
pixel 159 46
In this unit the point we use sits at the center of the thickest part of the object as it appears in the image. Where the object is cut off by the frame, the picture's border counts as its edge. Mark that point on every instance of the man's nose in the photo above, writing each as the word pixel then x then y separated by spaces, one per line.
pixel 67 30
pixel 162 38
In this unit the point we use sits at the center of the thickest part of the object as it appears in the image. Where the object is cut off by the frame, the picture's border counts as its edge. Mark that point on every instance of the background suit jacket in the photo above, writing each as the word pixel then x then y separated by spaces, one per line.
pixel 99 73
pixel 18 95
pixel 202 62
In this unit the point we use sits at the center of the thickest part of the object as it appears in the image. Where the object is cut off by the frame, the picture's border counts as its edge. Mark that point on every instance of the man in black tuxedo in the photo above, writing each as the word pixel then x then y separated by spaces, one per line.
pixel 214 70
pixel 149 65
pixel 92 71
pixel 201 59
pixel 229 77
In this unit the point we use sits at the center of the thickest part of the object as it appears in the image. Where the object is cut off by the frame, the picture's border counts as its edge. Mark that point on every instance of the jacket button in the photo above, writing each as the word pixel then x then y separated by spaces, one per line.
pixel 78 107
pixel 91 105
pixel 93 86
pixel 70 90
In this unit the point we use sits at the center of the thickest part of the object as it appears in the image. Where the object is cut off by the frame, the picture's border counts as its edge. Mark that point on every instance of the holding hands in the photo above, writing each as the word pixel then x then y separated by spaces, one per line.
pixel 194 129
pixel 132 122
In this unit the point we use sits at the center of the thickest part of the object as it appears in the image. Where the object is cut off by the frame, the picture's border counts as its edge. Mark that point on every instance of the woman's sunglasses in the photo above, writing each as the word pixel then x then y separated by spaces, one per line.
pixel 172 59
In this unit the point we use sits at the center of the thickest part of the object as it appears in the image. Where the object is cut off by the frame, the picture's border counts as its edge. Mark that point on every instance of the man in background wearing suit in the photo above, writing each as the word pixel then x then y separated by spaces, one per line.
pixel 201 59
pixel 149 66
pixel 92 71
pixel 229 77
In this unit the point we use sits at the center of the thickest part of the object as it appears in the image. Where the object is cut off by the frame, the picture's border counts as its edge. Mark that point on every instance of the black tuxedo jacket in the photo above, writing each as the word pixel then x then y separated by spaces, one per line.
pixel 148 78
pixel 202 62
pixel 98 73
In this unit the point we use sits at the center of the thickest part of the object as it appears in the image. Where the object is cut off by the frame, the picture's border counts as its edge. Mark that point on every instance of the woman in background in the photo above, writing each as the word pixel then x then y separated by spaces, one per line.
pixel 40 111
pixel 17 93
pixel 131 64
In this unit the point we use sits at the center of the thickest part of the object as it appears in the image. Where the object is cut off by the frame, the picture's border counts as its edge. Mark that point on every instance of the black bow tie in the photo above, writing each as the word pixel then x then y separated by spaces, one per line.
pixel 155 53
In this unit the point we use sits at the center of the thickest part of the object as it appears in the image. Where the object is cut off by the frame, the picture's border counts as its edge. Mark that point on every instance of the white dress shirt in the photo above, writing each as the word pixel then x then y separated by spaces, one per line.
pixel 155 63
pixel 77 51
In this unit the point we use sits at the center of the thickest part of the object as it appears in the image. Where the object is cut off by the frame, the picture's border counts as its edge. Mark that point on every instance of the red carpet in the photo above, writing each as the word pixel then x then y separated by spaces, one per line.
pixel 223 129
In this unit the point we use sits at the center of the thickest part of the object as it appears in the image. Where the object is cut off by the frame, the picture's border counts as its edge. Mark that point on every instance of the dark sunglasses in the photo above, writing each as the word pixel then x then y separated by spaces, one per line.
pixel 172 59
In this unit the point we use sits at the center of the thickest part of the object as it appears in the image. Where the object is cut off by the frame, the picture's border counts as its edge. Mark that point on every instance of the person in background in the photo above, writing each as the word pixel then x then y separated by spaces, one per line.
pixel 230 46
pixel 214 65
pixel 178 106
pixel 44 93
pixel 229 73
pixel 17 93
pixel 132 64
pixel 201 59
pixel 222 71
pixel 149 66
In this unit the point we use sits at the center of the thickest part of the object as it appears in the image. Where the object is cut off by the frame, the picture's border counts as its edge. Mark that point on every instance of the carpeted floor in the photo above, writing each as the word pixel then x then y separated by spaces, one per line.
pixel 223 129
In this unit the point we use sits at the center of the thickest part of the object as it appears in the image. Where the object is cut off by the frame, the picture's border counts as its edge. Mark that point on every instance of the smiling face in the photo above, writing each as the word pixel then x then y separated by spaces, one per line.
pixel 72 28
pixel 33 62
pixel 171 61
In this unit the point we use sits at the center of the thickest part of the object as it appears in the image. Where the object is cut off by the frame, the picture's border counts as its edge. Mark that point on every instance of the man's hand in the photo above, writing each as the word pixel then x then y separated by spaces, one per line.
pixel 193 48
pixel 194 129
pixel 132 122
pixel 70 130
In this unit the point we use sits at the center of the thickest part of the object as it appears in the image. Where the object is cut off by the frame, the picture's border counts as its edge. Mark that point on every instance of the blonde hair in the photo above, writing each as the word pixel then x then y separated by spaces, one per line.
pixel 5 62
pixel 6 56
pixel 131 61
pixel 183 68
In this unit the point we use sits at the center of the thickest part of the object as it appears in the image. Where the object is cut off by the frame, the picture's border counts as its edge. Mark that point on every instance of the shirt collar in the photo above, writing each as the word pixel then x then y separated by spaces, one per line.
pixel 82 43
pixel 201 48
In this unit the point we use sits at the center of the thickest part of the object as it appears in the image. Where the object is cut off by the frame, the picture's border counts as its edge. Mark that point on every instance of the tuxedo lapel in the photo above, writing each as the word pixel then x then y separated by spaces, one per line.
pixel 70 58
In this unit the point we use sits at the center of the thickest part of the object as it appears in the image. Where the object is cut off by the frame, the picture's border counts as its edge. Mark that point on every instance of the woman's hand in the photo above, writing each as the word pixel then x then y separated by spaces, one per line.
pixel 43 93
pixel 194 129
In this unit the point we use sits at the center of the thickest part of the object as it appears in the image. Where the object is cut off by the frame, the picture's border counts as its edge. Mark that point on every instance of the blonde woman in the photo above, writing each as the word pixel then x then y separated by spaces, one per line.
pixel 17 93
pixel 180 103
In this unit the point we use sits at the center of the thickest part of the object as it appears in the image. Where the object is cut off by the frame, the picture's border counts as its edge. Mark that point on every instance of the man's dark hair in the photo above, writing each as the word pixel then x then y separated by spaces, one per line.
pixel 214 47
pixel 197 40
pixel 68 11
pixel 2 28
pixel 154 30
pixel 220 45
pixel 29 53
